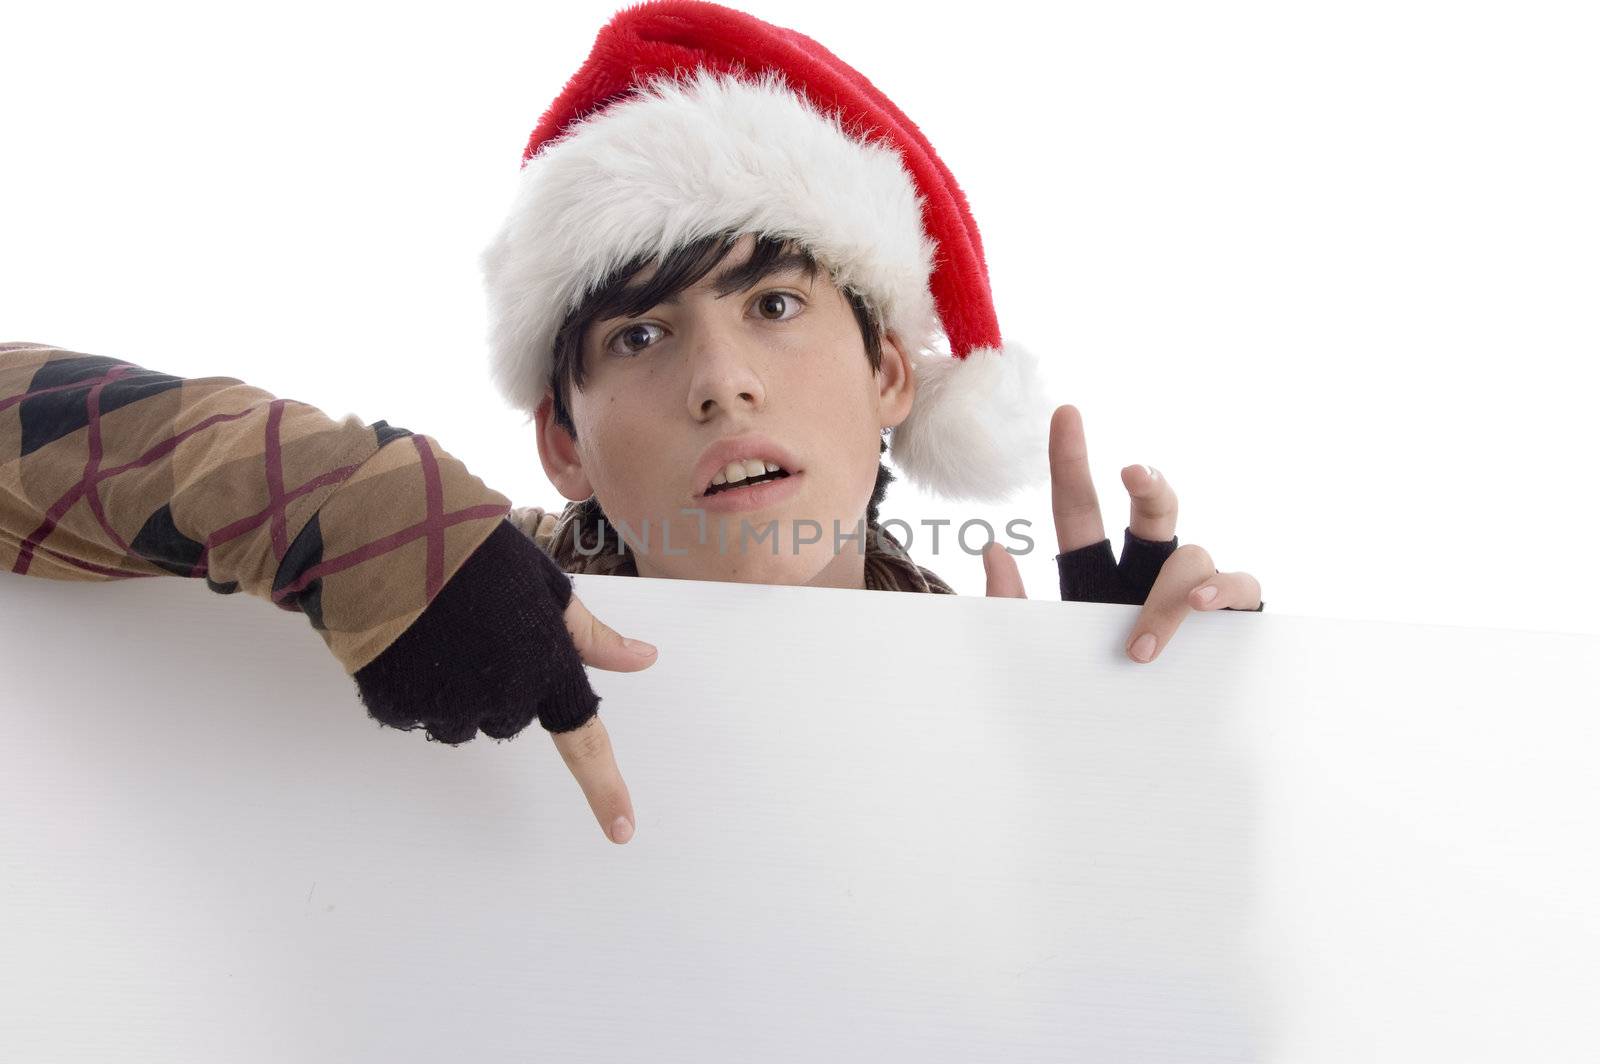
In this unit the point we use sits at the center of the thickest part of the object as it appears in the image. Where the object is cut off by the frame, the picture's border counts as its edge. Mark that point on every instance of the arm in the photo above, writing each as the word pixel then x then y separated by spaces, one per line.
pixel 111 471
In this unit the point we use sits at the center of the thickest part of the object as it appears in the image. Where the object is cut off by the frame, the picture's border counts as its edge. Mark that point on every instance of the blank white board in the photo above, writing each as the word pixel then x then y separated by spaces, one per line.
pixel 871 827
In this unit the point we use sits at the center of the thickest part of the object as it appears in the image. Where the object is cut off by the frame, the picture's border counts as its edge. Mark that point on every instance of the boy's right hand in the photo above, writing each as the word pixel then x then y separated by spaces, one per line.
pixel 503 643
pixel 587 749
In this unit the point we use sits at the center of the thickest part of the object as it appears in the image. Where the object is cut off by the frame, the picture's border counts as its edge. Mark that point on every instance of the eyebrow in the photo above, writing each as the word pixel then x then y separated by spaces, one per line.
pixel 746 276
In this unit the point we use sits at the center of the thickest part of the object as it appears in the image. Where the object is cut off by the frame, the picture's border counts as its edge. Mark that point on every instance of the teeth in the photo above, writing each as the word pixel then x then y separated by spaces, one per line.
pixel 742 469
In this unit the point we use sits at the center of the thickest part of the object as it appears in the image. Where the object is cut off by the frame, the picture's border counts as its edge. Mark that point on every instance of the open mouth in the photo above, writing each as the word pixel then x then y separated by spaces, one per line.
pixel 747 482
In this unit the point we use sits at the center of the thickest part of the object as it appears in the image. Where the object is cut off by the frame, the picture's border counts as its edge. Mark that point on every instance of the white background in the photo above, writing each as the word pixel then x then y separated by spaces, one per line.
pixel 1331 268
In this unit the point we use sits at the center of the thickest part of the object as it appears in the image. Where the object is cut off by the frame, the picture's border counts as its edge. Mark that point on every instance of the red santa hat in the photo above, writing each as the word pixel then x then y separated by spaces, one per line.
pixel 689 119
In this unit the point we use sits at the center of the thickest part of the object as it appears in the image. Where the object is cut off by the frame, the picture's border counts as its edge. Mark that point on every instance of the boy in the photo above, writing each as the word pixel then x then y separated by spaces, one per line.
pixel 638 184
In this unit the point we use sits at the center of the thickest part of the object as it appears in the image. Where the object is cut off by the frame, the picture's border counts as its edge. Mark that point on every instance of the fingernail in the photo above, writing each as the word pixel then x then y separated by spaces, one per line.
pixel 640 648
pixel 1144 646
pixel 621 831
pixel 1148 471
pixel 1206 594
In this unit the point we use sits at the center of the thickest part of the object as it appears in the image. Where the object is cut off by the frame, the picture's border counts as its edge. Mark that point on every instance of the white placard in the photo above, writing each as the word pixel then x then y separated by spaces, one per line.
pixel 871 827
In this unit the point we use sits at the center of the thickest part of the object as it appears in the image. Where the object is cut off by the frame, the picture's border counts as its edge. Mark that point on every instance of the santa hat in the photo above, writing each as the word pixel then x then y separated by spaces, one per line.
pixel 690 119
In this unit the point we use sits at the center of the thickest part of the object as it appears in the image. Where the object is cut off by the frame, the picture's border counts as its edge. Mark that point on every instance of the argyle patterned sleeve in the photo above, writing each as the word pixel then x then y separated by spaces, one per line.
pixel 111 471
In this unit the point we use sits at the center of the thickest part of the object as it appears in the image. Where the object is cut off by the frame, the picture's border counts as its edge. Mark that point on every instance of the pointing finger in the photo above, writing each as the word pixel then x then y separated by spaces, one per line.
pixel 1072 495
pixel 587 752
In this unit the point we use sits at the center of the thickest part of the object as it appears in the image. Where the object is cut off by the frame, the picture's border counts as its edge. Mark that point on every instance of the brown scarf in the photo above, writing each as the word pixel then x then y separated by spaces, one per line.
pixel 581 525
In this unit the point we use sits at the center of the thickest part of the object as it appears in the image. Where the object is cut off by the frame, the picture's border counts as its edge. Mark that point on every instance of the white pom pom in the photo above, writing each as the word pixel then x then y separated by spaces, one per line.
pixel 979 426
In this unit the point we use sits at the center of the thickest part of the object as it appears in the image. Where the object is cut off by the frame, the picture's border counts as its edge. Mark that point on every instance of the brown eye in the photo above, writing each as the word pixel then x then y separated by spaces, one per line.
pixel 635 332
pixel 778 302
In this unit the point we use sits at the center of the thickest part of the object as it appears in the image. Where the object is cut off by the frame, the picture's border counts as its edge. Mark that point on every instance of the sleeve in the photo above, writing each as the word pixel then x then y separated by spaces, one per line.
pixel 1092 574
pixel 112 471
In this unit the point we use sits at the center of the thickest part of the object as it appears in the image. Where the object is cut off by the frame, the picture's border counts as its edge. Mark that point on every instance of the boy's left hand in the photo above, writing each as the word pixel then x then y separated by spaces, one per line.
pixel 1185 577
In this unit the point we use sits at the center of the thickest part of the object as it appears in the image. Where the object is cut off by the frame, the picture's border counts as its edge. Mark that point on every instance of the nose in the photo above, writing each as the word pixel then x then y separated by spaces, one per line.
pixel 723 374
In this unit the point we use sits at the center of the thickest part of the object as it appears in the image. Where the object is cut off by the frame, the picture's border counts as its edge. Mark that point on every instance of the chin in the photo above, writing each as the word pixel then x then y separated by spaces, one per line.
pixel 756 568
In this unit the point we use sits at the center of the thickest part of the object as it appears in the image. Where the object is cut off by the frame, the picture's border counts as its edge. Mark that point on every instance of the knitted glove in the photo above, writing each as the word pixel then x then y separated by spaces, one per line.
pixel 1091 574
pixel 491 652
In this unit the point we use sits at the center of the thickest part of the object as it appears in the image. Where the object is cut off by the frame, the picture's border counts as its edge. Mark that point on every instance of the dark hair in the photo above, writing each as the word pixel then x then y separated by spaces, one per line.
pixel 679 269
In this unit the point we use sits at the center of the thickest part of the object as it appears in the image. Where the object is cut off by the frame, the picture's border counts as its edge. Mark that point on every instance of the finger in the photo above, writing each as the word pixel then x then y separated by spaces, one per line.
pixel 1077 508
pixel 1237 591
pixel 587 752
pixel 1168 602
pixel 1000 572
pixel 602 646
pixel 1154 505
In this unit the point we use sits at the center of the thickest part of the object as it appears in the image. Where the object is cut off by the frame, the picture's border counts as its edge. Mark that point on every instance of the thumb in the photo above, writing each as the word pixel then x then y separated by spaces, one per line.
pixel 602 646
pixel 1000 570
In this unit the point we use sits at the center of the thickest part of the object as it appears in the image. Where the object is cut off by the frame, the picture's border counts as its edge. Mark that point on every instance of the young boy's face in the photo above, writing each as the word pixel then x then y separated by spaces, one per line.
pixel 783 360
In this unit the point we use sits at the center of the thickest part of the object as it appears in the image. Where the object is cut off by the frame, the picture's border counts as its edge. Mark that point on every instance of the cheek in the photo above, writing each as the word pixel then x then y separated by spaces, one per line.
pixel 624 454
pixel 843 423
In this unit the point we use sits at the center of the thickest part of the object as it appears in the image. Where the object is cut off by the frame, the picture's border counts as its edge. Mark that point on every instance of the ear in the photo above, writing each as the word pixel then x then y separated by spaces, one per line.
pixel 897 383
pixel 558 453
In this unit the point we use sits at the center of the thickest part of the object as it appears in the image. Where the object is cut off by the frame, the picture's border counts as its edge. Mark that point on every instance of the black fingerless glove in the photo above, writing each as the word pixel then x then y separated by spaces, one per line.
pixel 490 652
pixel 1091 574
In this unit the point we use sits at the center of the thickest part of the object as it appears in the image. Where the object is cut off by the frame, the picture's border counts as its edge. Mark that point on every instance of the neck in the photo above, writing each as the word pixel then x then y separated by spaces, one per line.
pixel 847 569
